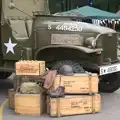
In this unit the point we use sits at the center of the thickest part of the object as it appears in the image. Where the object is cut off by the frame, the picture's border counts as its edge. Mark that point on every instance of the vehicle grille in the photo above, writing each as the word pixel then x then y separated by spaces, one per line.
pixel 109 44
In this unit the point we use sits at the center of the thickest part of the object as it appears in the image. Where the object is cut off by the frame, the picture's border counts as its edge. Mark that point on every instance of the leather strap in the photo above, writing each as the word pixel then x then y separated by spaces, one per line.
pixel 90 83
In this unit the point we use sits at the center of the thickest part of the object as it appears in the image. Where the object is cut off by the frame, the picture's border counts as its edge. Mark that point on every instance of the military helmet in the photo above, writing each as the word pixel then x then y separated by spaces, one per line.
pixel 66 70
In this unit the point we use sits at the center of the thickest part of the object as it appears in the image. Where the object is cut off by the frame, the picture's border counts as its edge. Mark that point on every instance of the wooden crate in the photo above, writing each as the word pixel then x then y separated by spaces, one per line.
pixel 30 67
pixel 11 101
pixel 79 83
pixel 30 104
pixel 73 105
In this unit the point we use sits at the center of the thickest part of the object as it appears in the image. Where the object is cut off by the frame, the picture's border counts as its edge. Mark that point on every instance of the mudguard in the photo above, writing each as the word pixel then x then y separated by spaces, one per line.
pixel 81 48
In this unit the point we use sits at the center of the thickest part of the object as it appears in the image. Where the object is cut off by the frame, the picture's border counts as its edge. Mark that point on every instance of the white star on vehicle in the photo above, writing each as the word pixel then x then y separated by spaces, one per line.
pixel 10 46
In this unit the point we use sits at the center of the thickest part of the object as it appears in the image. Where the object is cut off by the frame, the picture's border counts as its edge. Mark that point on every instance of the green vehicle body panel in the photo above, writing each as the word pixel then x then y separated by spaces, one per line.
pixel 34 37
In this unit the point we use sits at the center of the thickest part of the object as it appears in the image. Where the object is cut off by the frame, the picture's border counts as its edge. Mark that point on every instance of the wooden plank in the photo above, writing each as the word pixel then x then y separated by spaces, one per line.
pixel 30 104
pixel 74 105
pixel 78 83
pixel 11 101
pixel 30 67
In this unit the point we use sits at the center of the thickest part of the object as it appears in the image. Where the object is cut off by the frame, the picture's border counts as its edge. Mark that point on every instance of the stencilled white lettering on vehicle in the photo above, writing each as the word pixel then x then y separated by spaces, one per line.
pixel 69 27
pixel 49 26
pixel 66 27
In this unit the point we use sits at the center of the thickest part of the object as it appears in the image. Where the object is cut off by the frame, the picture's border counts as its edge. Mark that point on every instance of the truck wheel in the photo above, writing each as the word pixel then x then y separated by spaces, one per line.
pixel 5 75
pixel 76 66
pixel 109 83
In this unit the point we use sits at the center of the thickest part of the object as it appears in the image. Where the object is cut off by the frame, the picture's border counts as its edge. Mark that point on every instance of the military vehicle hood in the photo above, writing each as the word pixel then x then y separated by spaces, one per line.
pixel 73 26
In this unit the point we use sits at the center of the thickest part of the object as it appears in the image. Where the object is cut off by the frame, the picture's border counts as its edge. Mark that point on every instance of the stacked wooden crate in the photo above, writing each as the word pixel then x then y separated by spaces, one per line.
pixel 81 95
pixel 25 69
pixel 27 104
pixel 30 67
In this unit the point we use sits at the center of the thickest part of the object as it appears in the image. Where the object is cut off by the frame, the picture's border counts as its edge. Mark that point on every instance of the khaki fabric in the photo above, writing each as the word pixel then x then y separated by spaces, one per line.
pixel 29 88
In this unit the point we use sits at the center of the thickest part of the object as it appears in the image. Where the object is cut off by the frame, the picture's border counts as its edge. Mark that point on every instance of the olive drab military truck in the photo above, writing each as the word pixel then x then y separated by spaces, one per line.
pixel 29 32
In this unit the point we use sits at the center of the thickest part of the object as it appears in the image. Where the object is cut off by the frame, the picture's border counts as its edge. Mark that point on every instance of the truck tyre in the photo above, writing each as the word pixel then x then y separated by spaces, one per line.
pixel 109 83
pixel 5 75
pixel 76 66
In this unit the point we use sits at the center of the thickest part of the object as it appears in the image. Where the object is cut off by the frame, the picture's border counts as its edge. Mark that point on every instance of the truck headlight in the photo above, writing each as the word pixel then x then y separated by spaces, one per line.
pixel 91 41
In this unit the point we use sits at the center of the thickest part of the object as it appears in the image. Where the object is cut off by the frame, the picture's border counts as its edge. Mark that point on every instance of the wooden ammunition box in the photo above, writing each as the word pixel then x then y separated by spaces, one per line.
pixel 77 84
pixel 11 101
pixel 30 104
pixel 73 105
pixel 30 67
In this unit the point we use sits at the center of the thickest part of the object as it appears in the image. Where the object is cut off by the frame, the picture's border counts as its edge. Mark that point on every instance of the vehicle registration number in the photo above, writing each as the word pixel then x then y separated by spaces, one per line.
pixel 67 27
pixel 107 69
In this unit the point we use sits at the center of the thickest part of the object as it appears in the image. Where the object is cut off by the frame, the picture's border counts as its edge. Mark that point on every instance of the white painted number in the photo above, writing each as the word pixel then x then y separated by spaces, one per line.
pixel 69 27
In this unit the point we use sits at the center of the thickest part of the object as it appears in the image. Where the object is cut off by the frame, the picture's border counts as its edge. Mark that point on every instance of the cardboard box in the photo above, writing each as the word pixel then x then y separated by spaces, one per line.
pixel 77 84
pixel 11 101
pixel 30 67
pixel 30 104
pixel 73 105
